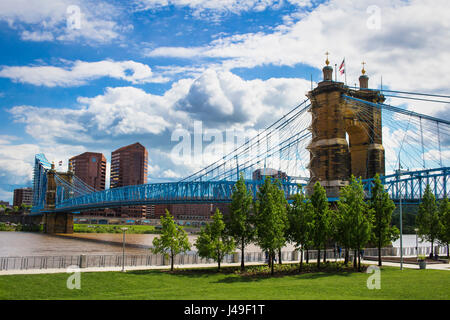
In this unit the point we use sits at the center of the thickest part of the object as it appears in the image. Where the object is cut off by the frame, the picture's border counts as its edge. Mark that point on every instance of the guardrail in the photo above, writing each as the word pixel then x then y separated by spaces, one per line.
pixel 103 261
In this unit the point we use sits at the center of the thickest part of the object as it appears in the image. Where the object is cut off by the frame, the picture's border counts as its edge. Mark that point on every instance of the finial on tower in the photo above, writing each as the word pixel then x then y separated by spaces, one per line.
pixel 327 61
pixel 363 79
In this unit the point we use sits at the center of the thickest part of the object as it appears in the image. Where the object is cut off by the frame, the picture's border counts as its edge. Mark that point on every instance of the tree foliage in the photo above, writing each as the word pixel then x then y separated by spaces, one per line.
pixel 301 223
pixel 428 222
pixel 239 223
pixel 172 241
pixel 213 242
pixel 383 207
pixel 271 218
pixel 356 216
pixel 444 216
pixel 321 217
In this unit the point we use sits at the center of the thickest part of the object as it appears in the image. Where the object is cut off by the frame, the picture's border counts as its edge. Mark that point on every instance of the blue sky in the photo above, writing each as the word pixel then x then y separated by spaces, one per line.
pixel 137 70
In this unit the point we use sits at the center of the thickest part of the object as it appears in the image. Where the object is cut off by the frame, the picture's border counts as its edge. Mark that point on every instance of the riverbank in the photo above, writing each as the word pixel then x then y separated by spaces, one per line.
pixel 106 228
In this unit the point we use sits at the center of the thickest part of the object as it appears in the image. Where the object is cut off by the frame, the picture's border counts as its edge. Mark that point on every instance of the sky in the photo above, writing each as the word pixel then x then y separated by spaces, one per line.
pixel 85 75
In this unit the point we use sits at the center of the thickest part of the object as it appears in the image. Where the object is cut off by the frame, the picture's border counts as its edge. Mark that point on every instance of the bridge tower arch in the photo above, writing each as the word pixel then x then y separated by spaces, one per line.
pixel 58 222
pixel 333 159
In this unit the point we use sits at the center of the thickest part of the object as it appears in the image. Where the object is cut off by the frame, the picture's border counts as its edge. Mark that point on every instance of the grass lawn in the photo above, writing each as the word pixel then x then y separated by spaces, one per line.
pixel 209 285
pixel 111 228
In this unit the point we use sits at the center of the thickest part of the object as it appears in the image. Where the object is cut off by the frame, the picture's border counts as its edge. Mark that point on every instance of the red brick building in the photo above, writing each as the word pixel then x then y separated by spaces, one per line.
pixel 195 211
pixel 129 166
pixel 23 196
pixel 91 168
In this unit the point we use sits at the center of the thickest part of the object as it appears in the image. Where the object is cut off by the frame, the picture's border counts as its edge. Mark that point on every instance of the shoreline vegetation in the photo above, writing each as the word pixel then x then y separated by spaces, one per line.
pixel 106 228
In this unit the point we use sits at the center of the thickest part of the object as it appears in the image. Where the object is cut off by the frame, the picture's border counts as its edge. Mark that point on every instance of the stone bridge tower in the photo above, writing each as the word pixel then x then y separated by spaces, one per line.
pixel 56 222
pixel 346 138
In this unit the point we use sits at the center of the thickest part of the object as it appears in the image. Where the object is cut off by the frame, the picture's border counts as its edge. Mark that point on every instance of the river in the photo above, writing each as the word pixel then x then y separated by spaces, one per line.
pixel 39 244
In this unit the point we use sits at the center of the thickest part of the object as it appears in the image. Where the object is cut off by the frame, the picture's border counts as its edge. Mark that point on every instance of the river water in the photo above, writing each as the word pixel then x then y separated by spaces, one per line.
pixel 38 244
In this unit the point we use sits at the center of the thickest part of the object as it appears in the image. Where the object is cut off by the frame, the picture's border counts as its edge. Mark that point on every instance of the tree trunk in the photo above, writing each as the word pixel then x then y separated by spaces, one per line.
pixel 301 260
pixel 447 251
pixel 432 253
pixel 273 257
pixel 379 252
pixel 307 256
pixel 318 258
pixel 359 261
pixel 346 254
pixel 324 254
pixel 171 262
pixel 354 259
pixel 279 256
pixel 218 264
pixel 242 254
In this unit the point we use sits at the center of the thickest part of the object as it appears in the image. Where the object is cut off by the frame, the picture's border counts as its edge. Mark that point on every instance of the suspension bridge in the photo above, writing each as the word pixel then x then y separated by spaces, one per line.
pixel 336 132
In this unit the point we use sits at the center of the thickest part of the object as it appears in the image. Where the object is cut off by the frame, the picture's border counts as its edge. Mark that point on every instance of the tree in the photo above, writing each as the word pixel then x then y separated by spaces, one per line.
pixel 428 222
pixel 301 223
pixel 172 241
pixel 239 223
pixel 271 219
pixel 444 216
pixel 321 216
pixel 213 242
pixel 383 207
pixel 357 217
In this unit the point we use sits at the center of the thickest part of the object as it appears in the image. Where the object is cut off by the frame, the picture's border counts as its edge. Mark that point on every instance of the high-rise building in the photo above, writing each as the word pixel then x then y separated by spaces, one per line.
pixel 90 167
pixel 129 166
pixel 23 196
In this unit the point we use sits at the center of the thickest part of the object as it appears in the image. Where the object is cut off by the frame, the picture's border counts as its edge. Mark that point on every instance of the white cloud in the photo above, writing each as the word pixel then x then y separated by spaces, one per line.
pixel 46 20
pixel 80 72
pixel 409 50
pixel 216 9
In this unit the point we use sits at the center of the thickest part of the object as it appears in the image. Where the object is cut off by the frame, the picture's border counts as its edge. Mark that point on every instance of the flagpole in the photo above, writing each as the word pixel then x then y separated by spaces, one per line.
pixel 345 72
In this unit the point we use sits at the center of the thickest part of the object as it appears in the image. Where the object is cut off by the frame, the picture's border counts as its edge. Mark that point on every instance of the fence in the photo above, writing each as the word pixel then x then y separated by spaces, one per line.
pixel 99 261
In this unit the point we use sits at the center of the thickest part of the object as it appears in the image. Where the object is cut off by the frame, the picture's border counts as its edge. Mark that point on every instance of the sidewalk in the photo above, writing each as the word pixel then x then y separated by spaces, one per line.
pixel 442 266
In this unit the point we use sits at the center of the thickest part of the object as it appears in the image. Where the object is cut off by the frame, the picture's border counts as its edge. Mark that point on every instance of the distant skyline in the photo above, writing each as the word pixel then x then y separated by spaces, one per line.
pixel 85 75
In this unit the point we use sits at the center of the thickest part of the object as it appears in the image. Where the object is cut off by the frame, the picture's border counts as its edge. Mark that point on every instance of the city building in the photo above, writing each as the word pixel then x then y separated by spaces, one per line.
pixel 129 166
pixel 191 211
pixel 91 168
pixel 23 196
pixel 261 174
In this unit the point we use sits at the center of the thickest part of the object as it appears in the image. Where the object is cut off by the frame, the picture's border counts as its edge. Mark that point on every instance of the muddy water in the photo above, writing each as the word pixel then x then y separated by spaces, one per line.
pixel 38 244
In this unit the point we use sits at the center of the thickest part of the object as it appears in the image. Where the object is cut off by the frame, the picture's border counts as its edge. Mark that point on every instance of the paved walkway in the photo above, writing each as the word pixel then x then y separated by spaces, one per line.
pixel 186 266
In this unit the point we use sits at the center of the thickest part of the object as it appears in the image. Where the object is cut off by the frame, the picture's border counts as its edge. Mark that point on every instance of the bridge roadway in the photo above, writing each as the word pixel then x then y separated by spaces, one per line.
pixel 411 184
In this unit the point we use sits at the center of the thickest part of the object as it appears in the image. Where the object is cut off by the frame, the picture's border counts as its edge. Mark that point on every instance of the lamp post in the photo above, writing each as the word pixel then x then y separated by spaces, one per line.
pixel 123 249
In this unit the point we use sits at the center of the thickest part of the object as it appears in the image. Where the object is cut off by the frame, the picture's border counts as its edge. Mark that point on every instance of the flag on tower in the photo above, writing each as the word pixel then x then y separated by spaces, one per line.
pixel 342 67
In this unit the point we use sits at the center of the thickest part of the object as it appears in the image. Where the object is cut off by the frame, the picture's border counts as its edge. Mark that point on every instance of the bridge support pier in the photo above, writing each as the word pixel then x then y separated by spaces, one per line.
pixel 58 222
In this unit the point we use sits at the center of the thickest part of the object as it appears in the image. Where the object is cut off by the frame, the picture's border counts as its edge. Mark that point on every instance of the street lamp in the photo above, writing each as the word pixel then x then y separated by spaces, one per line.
pixel 123 249
pixel 417 246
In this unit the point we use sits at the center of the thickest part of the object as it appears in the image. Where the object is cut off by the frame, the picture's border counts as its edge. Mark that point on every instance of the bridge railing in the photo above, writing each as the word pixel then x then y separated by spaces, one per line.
pixel 148 260
pixel 410 185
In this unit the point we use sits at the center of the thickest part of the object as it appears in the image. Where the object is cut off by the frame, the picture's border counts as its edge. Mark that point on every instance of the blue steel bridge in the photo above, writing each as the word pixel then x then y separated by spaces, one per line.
pixel 416 149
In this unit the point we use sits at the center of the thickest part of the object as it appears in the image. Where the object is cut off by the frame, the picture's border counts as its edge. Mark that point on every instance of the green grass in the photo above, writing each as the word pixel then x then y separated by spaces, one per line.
pixel 111 228
pixel 207 284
